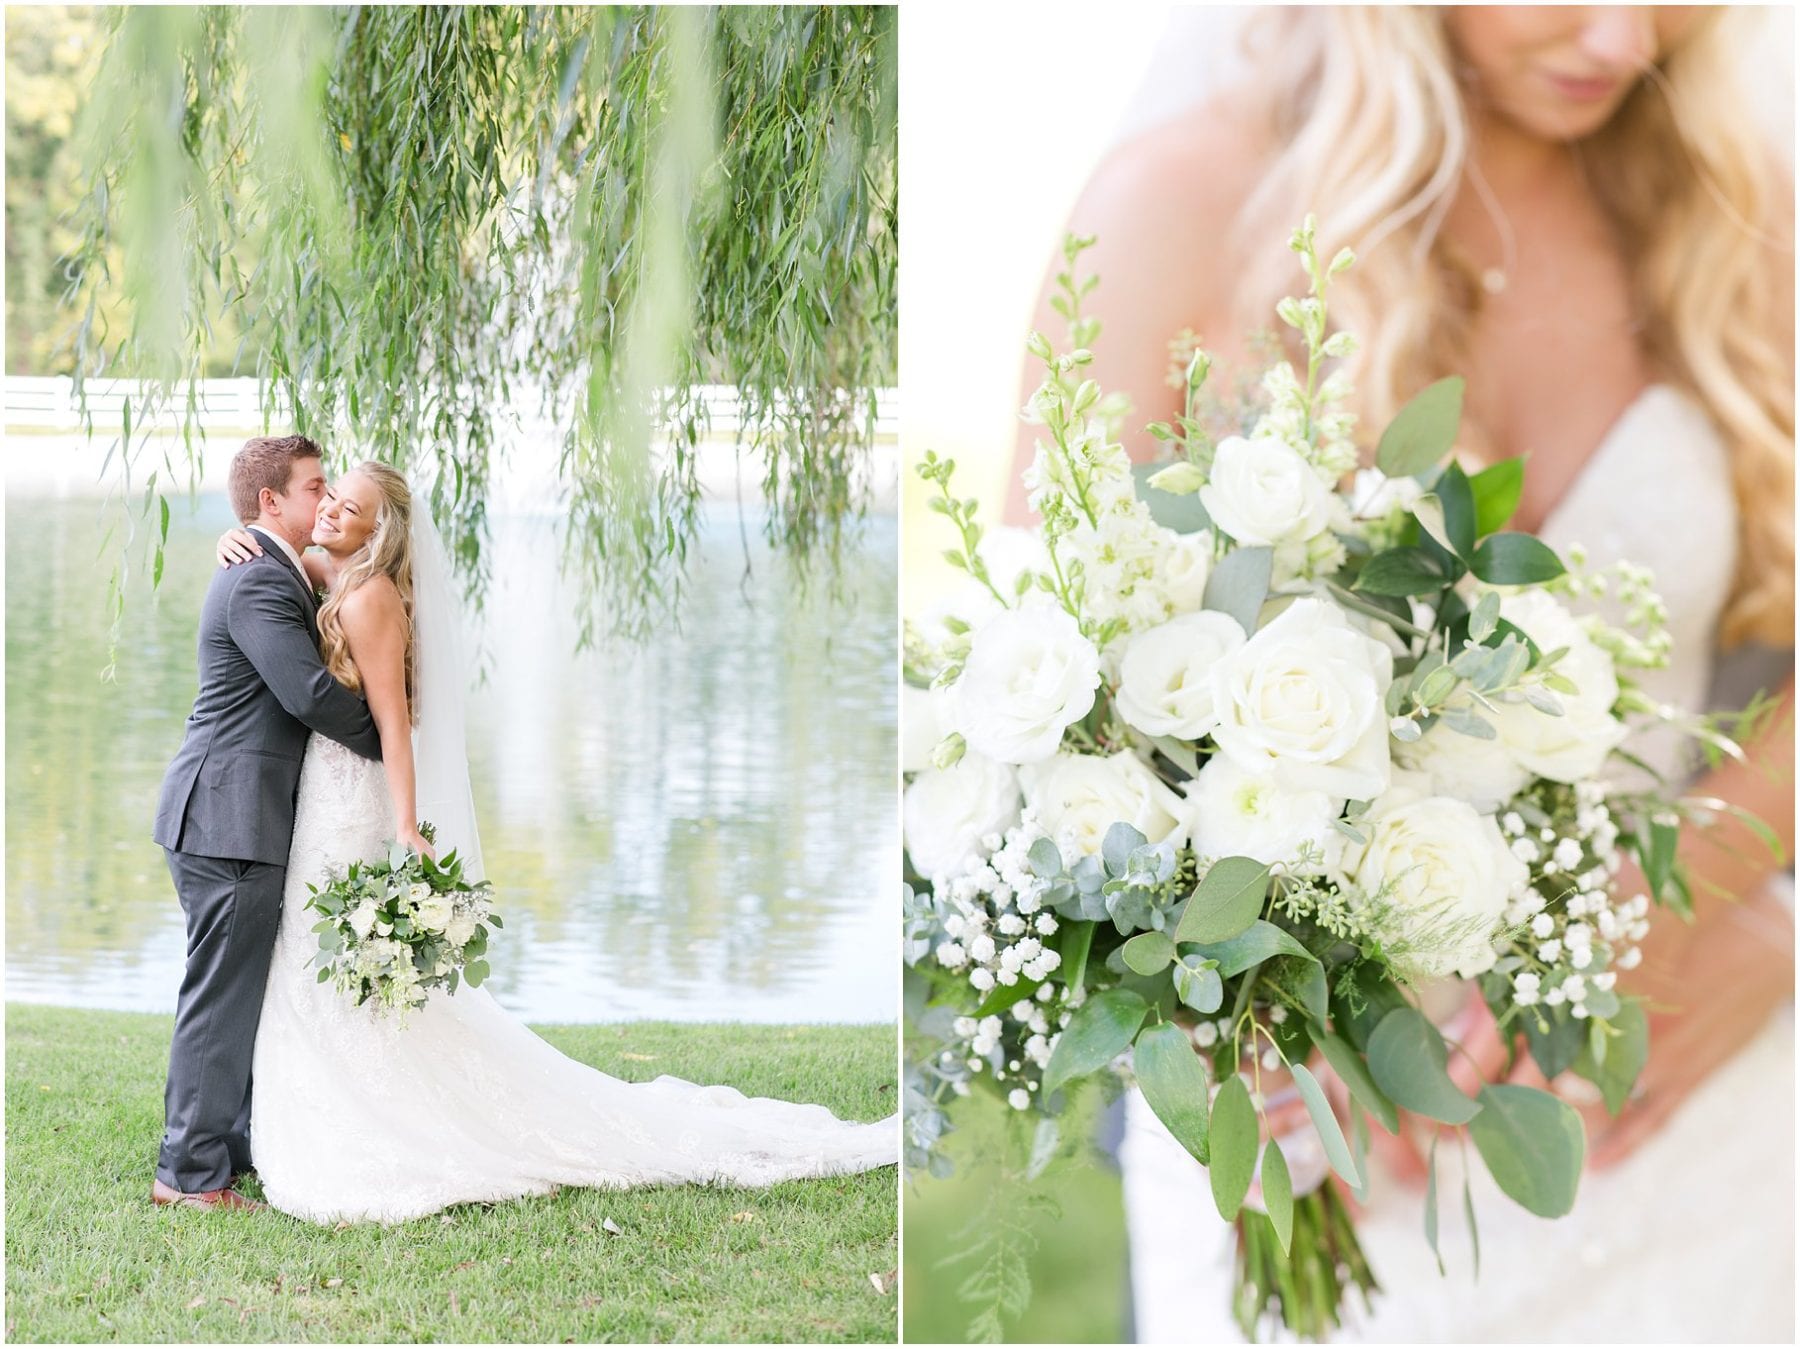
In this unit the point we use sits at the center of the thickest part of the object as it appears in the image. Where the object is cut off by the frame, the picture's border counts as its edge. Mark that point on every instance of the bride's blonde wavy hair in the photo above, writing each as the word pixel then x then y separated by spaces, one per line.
pixel 1370 132
pixel 386 552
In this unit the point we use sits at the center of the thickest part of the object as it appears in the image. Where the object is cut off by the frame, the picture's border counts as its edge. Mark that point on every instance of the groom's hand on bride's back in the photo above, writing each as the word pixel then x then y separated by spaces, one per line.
pixel 237 545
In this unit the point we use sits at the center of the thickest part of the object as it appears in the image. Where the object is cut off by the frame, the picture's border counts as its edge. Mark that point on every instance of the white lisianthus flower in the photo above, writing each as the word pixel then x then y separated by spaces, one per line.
pixel 949 810
pixel 362 919
pixel 1078 797
pixel 1449 877
pixel 1301 703
pixel 460 930
pixel 1030 675
pixel 1574 745
pixel 1262 491
pixel 1482 772
pixel 1233 814
pixel 1165 680
pixel 1185 566
pixel 924 721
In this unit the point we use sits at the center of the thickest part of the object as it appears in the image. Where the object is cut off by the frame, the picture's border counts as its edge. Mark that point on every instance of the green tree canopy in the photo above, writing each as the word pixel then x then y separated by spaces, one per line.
pixel 421 219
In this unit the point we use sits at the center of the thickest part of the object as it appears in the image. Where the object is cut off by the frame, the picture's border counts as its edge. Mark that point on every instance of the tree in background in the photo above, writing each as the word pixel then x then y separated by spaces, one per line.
pixel 421 218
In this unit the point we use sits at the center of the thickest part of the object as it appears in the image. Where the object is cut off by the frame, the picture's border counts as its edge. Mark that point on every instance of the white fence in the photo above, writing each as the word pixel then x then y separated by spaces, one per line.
pixel 48 403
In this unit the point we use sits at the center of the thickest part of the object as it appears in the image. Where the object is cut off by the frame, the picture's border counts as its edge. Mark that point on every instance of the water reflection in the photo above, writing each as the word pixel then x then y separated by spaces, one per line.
pixel 702 828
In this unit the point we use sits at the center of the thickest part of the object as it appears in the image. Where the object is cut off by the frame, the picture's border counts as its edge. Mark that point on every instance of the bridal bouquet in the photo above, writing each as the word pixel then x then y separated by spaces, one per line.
pixel 395 929
pixel 1218 770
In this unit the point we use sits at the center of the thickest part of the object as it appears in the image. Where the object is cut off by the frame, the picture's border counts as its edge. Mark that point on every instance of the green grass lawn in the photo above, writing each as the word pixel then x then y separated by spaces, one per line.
pixel 89 1258
pixel 1077 1269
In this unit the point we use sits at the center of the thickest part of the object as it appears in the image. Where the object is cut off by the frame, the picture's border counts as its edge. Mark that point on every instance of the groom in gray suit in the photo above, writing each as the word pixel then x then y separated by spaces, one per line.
pixel 226 814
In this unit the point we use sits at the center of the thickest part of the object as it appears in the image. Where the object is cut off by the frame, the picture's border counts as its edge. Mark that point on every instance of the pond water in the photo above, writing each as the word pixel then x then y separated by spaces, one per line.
pixel 700 828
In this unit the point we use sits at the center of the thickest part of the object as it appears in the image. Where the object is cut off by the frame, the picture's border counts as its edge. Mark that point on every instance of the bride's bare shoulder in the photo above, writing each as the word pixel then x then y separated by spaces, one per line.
pixel 1169 194
pixel 373 605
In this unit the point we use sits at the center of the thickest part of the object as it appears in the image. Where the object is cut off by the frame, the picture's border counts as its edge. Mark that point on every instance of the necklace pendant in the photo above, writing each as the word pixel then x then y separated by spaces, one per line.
pixel 1493 280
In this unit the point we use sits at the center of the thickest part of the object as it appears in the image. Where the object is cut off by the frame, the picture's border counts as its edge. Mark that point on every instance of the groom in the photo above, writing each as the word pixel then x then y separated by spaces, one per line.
pixel 226 815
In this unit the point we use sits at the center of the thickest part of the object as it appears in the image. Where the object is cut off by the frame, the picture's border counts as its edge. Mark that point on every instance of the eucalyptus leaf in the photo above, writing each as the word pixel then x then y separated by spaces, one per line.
pixel 1170 1075
pixel 1233 1139
pixel 1278 1194
pixel 1533 1146
pixel 1226 901
pixel 1626 1052
pixel 1255 944
pixel 1408 1061
pixel 1098 1033
pixel 1337 1151
pixel 1431 1205
pixel 1354 1073
pixel 1149 952
pixel 1239 584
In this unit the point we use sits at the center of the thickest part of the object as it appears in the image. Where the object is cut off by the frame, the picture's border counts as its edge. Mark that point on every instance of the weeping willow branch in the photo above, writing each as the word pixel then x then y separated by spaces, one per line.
pixel 423 220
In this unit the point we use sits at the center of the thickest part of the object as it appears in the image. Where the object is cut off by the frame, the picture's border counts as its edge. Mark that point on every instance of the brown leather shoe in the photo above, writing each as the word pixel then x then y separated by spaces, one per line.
pixel 165 1195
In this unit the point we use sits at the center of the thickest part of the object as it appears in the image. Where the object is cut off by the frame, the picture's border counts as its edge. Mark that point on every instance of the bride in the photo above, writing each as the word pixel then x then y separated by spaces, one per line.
pixel 1568 207
pixel 355 1117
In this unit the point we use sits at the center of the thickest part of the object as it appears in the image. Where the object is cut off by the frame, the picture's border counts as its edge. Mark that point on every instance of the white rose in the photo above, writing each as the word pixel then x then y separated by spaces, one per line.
pixel 1302 701
pixel 948 810
pixel 1234 814
pixel 1482 772
pixel 1165 680
pixel 419 893
pixel 460 929
pixel 1029 676
pixel 1373 494
pixel 434 913
pixel 1573 746
pixel 362 919
pixel 1078 797
pixel 1186 565
pixel 1451 877
pixel 1262 492
pixel 924 721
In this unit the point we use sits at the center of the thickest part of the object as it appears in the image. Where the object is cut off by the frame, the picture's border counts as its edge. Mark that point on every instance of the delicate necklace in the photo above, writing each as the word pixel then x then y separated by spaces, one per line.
pixel 1494 279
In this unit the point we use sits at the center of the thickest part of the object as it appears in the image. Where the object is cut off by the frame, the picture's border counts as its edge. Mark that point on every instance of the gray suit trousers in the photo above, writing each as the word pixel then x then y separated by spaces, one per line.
pixel 233 909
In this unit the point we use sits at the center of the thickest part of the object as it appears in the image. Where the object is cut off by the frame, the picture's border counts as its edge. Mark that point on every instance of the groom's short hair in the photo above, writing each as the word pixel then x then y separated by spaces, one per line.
pixel 265 461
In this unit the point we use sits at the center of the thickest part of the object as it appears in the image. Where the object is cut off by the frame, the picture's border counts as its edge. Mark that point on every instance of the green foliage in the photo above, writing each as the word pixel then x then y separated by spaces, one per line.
pixel 1533 1146
pixel 1278 1194
pixel 1324 1119
pixel 1407 1060
pixel 1100 1031
pixel 1174 1085
pixel 424 217
pixel 1239 584
pixel 1226 902
pixel 1234 1139
pixel 1423 431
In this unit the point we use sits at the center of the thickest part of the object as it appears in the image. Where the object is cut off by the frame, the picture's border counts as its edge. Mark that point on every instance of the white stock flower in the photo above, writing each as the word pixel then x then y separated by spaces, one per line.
pixel 1301 702
pixel 1165 679
pixel 1449 877
pixel 948 811
pixel 1029 676
pixel 1233 813
pixel 1574 745
pixel 1262 492
pixel 1078 797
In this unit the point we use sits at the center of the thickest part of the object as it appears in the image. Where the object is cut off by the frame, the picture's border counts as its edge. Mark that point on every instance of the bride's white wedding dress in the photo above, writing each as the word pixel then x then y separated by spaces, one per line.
pixel 1691 1238
pixel 356 1117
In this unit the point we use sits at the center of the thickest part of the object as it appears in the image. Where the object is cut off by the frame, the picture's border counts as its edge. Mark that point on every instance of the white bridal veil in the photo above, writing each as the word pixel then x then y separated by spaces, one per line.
pixel 441 665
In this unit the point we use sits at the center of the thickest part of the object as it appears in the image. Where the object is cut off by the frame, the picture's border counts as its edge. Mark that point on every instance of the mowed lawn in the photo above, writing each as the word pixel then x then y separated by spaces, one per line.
pixel 89 1258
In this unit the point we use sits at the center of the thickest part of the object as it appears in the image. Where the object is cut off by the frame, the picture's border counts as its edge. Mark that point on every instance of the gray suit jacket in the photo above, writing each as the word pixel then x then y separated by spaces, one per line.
pixel 230 791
